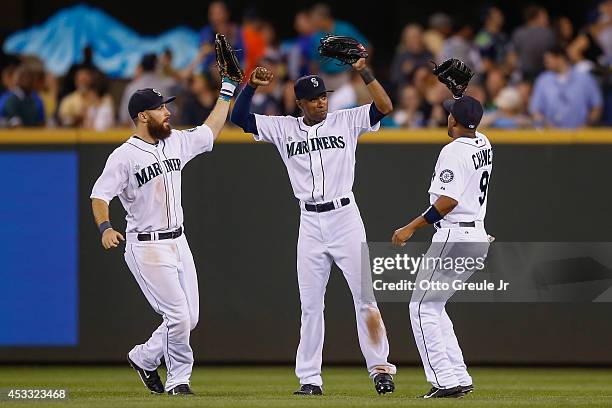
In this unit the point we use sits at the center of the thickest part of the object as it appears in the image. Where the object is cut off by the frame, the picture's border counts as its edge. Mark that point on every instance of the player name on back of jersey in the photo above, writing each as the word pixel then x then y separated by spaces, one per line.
pixel 482 158
pixel 316 143
pixel 150 172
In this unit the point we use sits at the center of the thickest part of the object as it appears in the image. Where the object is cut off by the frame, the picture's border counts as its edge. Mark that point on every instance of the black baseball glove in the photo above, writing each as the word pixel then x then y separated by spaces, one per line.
pixel 228 64
pixel 455 74
pixel 346 50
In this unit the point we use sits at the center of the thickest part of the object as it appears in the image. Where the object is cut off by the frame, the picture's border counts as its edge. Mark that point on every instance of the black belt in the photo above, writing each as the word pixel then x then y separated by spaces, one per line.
pixel 324 207
pixel 471 224
pixel 162 235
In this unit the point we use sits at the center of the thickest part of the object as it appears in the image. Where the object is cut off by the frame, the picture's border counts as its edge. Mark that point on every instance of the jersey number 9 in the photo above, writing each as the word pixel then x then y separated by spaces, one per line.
pixel 484 185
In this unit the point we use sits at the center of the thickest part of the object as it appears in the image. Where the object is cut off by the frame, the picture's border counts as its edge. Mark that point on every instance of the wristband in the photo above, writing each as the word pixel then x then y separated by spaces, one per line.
pixel 227 89
pixel 367 75
pixel 104 226
pixel 432 215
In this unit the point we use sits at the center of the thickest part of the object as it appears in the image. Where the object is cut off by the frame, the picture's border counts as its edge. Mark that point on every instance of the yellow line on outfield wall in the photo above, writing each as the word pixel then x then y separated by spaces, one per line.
pixel 387 136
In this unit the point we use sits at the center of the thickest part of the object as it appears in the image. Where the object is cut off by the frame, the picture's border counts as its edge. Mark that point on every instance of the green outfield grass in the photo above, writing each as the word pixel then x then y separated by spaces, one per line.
pixel 119 387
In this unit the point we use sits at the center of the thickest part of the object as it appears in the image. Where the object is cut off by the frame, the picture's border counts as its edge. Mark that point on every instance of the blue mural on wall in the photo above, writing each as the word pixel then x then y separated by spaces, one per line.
pixel 117 48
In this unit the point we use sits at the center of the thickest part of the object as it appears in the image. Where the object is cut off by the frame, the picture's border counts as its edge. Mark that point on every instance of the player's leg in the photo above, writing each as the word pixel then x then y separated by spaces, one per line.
pixel 313 267
pixel 147 355
pixel 471 243
pixel 153 266
pixel 425 318
pixel 150 353
pixel 188 278
pixel 347 246
pixel 453 351
pixel 426 308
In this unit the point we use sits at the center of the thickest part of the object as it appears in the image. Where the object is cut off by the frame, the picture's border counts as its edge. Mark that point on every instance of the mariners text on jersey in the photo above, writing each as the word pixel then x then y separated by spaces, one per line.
pixel 147 178
pixel 320 159
pixel 317 143
pixel 150 172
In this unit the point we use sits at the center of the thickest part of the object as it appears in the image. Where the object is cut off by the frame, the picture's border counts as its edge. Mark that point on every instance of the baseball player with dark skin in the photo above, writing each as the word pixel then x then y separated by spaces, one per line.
pixel 318 150
pixel 458 205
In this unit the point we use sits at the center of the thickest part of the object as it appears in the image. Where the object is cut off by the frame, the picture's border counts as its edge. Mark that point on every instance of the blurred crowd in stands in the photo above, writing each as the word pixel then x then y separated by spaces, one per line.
pixel 543 73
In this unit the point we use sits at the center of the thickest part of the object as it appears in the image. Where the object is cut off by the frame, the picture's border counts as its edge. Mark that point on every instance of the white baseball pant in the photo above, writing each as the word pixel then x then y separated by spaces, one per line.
pixel 433 330
pixel 333 236
pixel 166 274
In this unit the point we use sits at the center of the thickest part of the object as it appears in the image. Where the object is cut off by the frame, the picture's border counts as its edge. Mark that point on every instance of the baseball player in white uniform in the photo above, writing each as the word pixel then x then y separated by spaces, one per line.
pixel 145 172
pixel 318 150
pixel 458 198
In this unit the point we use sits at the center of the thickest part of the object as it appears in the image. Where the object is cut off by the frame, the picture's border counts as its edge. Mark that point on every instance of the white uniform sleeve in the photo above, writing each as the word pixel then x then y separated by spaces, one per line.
pixel 113 180
pixel 269 128
pixel 195 141
pixel 358 120
pixel 450 177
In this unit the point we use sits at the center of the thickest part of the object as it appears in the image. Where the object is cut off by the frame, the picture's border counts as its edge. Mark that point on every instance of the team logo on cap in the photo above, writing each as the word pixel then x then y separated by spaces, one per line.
pixel 157 92
pixel 447 176
pixel 314 81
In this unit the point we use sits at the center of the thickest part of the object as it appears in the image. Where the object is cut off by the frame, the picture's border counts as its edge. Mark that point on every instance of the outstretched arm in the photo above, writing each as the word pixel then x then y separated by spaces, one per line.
pixel 434 213
pixel 382 103
pixel 216 119
pixel 241 115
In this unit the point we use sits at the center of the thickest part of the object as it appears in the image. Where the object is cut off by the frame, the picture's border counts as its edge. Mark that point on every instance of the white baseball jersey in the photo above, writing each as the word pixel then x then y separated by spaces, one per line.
pixel 147 178
pixel 320 159
pixel 462 172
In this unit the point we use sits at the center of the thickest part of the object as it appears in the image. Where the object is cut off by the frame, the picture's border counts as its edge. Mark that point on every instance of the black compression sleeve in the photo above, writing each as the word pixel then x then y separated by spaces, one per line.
pixel 375 115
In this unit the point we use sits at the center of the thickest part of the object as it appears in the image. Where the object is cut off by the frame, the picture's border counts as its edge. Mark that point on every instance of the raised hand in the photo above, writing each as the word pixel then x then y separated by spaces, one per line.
pixel 261 77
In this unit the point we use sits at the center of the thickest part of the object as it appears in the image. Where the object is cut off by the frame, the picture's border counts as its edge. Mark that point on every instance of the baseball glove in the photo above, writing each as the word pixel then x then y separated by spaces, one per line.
pixel 455 74
pixel 346 50
pixel 228 64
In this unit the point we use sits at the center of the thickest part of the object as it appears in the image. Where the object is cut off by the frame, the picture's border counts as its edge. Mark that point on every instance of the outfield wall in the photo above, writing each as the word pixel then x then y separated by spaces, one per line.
pixel 65 299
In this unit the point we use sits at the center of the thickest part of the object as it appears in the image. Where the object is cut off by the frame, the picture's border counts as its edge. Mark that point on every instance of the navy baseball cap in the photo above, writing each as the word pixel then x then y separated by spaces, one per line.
pixel 146 99
pixel 309 87
pixel 466 110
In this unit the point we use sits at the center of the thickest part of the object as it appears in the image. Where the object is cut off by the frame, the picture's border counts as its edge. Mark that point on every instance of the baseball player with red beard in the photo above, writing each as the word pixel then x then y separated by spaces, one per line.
pixel 145 172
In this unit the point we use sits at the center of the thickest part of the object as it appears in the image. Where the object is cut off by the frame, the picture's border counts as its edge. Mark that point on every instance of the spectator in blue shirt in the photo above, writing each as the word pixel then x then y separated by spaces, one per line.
pixel 336 76
pixel 21 106
pixel 325 24
pixel 298 51
pixel 219 22
pixel 563 96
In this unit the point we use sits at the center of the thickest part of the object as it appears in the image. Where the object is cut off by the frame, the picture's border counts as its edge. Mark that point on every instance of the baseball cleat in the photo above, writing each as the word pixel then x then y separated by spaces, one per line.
pixel 309 389
pixel 181 389
pixel 454 392
pixel 467 388
pixel 383 383
pixel 150 379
